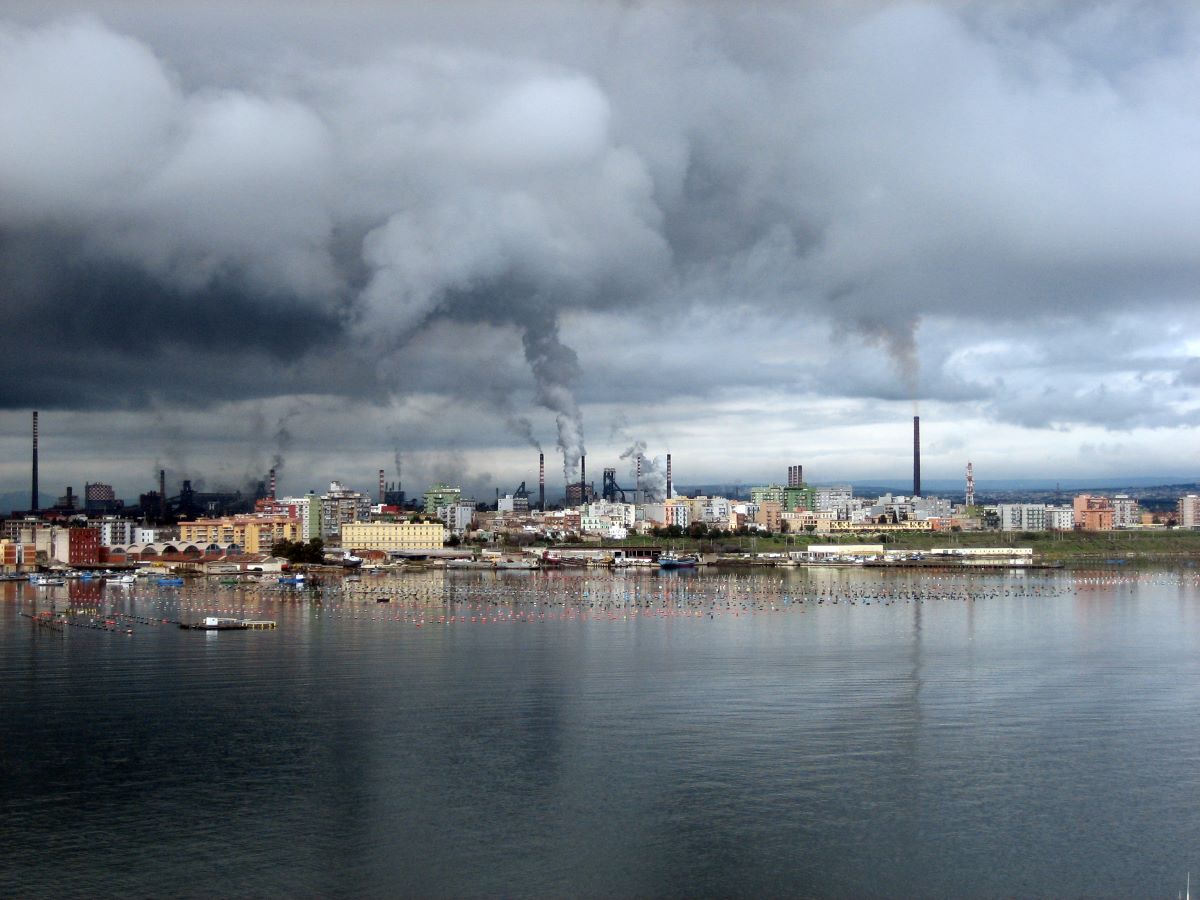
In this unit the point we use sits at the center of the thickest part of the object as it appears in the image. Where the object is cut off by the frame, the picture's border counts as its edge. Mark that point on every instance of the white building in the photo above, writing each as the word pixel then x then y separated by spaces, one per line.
pixel 114 531
pixel 1022 516
pixel 1126 512
pixel 1188 511
pixel 458 516
pixel 836 498
pixel 1060 518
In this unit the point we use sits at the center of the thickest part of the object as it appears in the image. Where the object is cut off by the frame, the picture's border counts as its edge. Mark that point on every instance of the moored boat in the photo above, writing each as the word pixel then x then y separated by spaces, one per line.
pixel 671 561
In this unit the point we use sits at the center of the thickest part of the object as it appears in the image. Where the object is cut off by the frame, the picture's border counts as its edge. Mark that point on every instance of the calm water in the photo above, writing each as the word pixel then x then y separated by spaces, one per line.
pixel 595 735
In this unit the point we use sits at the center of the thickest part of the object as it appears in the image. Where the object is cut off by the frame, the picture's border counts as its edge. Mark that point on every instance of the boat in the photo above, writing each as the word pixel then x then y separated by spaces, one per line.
pixel 46 580
pixel 671 561
pixel 169 582
pixel 516 564
pixel 291 579
pixel 128 578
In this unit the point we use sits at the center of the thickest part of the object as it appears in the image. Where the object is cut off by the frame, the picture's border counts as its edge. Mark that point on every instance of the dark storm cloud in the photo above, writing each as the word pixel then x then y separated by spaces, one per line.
pixel 303 211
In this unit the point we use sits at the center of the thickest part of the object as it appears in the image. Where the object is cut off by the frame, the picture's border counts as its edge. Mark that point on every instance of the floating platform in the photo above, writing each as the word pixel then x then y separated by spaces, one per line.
pixel 215 623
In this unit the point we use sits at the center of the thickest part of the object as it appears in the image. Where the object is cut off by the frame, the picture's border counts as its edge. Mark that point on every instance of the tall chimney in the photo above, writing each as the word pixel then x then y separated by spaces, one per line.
pixel 271 487
pixel 637 493
pixel 34 504
pixel 162 493
pixel 668 476
pixel 582 479
pixel 382 487
pixel 916 456
pixel 542 481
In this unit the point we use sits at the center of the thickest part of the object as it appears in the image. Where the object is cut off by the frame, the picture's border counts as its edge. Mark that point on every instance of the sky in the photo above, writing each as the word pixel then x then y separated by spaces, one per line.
pixel 432 238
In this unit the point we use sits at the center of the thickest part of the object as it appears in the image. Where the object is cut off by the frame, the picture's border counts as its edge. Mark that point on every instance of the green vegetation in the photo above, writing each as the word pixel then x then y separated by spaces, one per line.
pixel 299 552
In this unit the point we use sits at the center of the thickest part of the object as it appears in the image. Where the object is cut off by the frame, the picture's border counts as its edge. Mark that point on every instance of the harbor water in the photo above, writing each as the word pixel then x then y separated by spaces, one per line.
pixel 801 733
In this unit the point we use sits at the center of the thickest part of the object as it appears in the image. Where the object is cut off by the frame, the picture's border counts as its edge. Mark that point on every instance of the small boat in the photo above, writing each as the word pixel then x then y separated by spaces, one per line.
pixel 291 579
pixel 671 561
pixel 128 578
pixel 46 581
pixel 169 582
pixel 516 564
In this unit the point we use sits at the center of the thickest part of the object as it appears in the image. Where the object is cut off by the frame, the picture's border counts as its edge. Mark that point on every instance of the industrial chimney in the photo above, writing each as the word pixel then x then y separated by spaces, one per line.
pixel 669 476
pixel 162 494
pixel 542 481
pixel 271 485
pixel 33 503
pixel 916 456
pixel 382 488
pixel 582 479
pixel 638 484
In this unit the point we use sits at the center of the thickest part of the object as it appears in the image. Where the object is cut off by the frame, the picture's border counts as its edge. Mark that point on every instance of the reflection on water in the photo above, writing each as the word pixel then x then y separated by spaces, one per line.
pixel 804 732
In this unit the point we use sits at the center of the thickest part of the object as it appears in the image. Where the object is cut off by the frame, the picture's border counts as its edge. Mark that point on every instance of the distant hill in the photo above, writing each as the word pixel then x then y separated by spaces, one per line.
pixel 20 500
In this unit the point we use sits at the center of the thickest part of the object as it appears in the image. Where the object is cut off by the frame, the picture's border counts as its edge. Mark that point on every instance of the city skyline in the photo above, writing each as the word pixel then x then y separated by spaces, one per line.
pixel 749 238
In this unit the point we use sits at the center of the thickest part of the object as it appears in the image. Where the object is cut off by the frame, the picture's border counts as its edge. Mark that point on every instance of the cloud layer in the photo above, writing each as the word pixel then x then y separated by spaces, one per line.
pixel 533 218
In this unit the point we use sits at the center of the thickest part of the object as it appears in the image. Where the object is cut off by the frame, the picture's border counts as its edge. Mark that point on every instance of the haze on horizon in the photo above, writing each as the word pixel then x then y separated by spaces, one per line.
pixel 370 235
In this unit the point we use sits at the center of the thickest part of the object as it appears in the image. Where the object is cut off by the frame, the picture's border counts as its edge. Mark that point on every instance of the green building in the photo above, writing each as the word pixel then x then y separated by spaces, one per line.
pixel 441 494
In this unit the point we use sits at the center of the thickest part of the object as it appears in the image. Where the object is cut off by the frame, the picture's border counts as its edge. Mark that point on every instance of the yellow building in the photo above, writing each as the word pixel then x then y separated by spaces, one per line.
pixel 252 534
pixel 393 536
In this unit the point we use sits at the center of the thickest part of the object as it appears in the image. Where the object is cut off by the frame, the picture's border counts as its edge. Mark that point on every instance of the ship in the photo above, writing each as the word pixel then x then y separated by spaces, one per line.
pixel 672 561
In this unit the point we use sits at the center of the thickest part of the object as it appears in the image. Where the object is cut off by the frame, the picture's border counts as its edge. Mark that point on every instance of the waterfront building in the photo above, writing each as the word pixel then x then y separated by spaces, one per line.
pixel 75 546
pixel 393 537
pixel 339 506
pixel 253 534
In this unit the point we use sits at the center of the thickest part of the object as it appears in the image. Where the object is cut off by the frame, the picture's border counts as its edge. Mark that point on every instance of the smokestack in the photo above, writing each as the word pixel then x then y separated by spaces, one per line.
pixel 582 479
pixel 382 487
pixel 271 487
pixel 916 456
pixel 162 493
pixel 542 481
pixel 33 503
pixel 668 476
pixel 638 485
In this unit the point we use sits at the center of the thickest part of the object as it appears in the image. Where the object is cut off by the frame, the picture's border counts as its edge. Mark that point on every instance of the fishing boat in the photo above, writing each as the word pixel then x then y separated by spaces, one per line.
pixel 672 561
pixel 169 582
pixel 128 578
pixel 46 580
